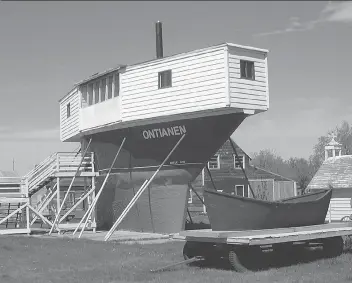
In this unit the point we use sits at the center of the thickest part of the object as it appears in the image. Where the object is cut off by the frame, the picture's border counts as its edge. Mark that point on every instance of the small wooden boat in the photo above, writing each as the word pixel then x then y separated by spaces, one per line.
pixel 229 213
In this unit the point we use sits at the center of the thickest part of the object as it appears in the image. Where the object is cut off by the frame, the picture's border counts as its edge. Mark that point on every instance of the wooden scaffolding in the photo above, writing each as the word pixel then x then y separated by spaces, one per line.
pixel 54 195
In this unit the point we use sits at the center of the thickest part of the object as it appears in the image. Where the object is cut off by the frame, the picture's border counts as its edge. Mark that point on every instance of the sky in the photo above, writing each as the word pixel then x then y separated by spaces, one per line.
pixel 46 47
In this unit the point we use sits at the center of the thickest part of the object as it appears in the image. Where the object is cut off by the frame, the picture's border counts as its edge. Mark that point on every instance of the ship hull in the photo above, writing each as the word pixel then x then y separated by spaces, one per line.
pixel 232 213
pixel 162 207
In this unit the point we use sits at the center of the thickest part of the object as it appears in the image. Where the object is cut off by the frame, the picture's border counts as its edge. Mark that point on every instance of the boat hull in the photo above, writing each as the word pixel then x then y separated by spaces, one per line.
pixel 230 213
pixel 162 207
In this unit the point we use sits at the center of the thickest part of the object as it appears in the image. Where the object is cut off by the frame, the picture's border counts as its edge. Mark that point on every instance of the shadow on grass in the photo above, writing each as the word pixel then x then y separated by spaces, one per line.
pixel 267 260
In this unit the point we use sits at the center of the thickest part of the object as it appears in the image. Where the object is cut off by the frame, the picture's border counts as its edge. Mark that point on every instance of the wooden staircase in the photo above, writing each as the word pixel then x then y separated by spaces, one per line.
pixel 16 192
pixel 59 164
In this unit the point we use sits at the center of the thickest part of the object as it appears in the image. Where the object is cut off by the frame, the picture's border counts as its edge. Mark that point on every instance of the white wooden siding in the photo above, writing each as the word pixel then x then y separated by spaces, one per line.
pixel 244 93
pixel 100 114
pixel 198 83
pixel 69 127
pixel 339 207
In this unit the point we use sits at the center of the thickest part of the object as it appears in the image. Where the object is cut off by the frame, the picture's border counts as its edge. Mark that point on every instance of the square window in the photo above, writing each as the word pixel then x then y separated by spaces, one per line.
pixel 68 110
pixel 165 79
pixel 240 191
pixel 239 161
pixel 214 162
pixel 247 70
pixel 117 85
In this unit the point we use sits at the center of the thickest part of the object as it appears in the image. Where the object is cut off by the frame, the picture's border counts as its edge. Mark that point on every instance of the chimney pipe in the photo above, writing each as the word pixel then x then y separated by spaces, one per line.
pixel 159 40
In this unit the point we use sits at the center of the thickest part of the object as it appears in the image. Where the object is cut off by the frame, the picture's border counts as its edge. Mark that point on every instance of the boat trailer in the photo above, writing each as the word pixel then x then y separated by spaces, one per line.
pixel 242 247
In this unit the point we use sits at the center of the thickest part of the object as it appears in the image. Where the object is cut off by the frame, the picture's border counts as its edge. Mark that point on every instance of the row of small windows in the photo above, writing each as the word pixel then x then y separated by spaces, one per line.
pixel 214 162
pixel 109 86
pixel 100 90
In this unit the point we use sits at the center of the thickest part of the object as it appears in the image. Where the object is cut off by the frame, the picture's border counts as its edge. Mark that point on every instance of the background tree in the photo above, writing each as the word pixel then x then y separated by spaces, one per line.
pixel 303 170
pixel 297 169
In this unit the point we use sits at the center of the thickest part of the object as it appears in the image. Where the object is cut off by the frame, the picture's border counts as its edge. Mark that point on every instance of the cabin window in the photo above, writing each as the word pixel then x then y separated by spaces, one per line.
pixel 84 96
pixel 238 161
pixel 102 90
pixel 90 94
pixel 214 162
pixel 116 85
pixel 247 70
pixel 68 110
pixel 110 87
pixel 165 79
pixel 96 92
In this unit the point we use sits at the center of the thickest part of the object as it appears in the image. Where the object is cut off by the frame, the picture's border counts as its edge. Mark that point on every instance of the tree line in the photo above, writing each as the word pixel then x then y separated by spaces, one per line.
pixel 300 169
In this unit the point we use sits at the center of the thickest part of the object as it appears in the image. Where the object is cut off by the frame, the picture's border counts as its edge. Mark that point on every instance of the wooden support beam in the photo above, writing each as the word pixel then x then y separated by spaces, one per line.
pixel 41 216
pixel 90 209
pixel 69 188
pixel 77 204
pixel 140 191
pixel 45 204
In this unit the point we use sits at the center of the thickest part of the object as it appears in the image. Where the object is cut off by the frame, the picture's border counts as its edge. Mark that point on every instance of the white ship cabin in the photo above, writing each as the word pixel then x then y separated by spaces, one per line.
pixel 221 79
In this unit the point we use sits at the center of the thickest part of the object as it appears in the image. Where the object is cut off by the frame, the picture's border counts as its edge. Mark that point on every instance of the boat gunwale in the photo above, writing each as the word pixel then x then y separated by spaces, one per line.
pixel 327 191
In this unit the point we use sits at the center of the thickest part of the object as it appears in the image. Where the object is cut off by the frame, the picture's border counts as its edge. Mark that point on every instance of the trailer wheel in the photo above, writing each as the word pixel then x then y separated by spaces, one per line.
pixel 245 258
pixel 236 262
pixel 193 249
pixel 333 246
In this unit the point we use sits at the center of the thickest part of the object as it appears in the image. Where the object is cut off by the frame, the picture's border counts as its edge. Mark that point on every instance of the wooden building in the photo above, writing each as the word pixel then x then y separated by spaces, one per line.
pixel 227 175
pixel 336 171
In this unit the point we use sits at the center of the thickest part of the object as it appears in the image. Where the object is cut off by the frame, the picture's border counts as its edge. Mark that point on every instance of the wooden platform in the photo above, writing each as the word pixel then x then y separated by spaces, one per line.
pixel 267 237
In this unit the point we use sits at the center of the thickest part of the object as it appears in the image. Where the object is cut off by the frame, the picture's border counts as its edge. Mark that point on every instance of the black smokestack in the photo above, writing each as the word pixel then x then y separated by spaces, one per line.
pixel 159 40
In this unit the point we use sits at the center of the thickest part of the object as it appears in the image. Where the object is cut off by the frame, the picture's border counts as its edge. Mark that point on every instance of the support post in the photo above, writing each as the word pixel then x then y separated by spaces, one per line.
pixel 57 202
pixel 59 208
pixel 27 215
pixel 90 208
pixel 40 216
pixel 198 196
pixel 94 210
pixel 140 191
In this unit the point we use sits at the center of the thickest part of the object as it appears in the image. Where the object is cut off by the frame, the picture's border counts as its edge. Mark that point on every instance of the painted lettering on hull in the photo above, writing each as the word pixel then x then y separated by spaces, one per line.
pixel 164 132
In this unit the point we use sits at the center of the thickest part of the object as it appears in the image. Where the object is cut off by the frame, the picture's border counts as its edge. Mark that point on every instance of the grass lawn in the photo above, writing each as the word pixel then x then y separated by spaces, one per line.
pixel 32 259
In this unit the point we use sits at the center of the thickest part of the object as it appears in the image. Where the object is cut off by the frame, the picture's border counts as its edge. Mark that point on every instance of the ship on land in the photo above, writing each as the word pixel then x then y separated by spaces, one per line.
pixel 188 104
